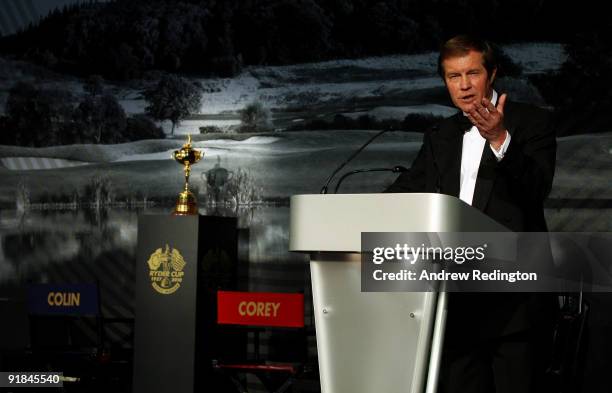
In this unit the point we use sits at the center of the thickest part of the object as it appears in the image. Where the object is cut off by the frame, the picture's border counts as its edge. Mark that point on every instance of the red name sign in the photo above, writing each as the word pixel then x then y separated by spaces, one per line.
pixel 260 308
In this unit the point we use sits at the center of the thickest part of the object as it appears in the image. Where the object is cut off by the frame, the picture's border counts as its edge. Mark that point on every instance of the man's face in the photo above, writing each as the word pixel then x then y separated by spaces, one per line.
pixel 467 79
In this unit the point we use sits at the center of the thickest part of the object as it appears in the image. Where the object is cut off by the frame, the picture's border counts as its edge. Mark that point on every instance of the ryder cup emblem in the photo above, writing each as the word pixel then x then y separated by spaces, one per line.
pixel 166 270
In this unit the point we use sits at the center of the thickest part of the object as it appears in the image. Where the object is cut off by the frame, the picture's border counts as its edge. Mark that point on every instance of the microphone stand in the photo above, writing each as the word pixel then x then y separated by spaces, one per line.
pixel 396 169
pixel 329 179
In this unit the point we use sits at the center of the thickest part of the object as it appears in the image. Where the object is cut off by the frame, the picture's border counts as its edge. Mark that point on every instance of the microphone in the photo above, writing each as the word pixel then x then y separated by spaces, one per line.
pixel 395 169
pixel 329 179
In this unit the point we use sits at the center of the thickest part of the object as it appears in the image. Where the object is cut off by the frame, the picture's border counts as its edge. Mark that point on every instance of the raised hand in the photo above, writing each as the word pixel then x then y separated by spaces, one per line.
pixel 490 120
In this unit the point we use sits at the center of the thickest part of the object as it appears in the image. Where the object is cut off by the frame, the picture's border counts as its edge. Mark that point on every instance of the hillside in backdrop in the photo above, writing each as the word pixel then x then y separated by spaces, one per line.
pixel 126 40
pixel 122 39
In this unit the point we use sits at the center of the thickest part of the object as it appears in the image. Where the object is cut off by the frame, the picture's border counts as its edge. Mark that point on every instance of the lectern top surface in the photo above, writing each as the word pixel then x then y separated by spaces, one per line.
pixel 335 222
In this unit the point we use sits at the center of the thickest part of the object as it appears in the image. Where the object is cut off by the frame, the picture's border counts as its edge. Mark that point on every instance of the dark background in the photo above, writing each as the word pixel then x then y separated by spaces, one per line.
pixel 63 70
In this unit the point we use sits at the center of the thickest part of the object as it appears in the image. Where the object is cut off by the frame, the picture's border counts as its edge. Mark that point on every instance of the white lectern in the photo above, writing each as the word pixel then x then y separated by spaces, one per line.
pixel 376 341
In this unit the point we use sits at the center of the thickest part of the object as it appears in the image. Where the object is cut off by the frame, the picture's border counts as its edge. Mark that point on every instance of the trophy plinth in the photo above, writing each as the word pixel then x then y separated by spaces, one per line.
pixel 186 204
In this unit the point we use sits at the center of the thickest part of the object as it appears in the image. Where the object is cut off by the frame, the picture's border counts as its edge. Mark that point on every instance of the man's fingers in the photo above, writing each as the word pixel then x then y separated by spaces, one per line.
pixel 477 123
pixel 487 104
pixel 482 111
pixel 473 120
pixel 502 103
pixel 475 113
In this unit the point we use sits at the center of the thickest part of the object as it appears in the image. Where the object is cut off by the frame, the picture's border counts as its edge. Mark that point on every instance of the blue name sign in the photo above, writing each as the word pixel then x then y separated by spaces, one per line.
pixel 63 299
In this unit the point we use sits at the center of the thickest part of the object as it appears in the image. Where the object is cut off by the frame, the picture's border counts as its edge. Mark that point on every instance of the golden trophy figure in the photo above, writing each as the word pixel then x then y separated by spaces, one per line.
pixel 186 204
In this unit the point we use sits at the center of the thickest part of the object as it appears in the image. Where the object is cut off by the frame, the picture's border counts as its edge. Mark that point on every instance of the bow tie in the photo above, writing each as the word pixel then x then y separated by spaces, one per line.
pixel 463 123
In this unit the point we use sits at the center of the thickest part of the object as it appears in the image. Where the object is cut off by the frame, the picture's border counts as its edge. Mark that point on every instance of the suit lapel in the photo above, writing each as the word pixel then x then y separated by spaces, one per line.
pixel 448 155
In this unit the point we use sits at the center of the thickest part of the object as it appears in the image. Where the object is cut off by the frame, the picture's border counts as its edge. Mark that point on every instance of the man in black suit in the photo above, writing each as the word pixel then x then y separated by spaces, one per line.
pixel 499 157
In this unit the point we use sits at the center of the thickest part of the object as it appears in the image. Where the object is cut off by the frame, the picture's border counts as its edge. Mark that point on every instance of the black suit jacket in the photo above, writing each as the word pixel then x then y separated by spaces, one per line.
pixel 510 191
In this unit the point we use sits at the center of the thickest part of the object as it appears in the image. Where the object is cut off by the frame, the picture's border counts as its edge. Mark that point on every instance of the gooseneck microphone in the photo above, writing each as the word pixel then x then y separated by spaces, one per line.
pixel 395 169
pixel 329 179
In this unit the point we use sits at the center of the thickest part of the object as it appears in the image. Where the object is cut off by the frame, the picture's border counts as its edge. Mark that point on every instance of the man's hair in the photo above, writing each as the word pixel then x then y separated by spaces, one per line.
pixel 460 46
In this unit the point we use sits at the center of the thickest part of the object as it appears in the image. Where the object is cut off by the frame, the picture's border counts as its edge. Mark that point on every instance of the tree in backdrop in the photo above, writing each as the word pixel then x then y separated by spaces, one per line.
pixel 140 127
pixel 51 116
pixel 94 85
pixel 173 98
pixel 36 116
pixel 254 118
pixel 101 119
pixel 283 32
pixel 580 91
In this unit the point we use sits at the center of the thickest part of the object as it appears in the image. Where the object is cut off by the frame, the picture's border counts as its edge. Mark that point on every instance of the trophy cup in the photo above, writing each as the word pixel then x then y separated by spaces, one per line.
pixel 186 204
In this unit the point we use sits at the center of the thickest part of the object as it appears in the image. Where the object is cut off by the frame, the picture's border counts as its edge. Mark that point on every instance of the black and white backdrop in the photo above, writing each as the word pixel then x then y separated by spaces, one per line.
pixel 95 95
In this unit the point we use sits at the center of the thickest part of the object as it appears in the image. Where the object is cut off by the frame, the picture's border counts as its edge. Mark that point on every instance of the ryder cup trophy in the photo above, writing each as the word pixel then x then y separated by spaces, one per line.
pixel 186 204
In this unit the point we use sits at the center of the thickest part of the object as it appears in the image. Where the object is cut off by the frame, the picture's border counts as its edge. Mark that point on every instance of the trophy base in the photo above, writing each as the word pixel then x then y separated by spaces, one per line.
pixel 186 204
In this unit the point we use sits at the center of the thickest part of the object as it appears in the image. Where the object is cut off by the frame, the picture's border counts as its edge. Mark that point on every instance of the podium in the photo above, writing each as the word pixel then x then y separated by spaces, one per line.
pixel 181 262
pixel 376 341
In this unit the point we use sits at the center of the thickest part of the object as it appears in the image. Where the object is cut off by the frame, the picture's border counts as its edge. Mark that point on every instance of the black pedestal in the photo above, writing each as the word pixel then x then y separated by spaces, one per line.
pixel 177 258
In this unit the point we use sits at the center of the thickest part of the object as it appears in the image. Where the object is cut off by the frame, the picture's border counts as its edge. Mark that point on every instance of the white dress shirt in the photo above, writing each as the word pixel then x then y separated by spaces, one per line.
pixel 473 145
